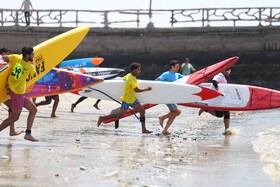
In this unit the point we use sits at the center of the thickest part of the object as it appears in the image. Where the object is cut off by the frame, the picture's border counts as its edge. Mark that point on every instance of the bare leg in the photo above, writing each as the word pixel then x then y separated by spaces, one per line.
pixel 96 104
pixel 55 104
pixel 161 120
pixel 43 103
pixel 13 131
pixel 112 115
pixel 168 124
pixel 141 110
pixel 226 123
pixel 212 112
pixel 13 117
pixel 30 120
pixel 77 102
pixel 201 111
pixel 171 117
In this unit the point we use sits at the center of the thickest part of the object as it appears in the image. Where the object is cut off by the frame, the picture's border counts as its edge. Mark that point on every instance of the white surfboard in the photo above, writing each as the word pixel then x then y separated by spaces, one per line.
pixel 161 93
pixel 103 73
pixel 232 95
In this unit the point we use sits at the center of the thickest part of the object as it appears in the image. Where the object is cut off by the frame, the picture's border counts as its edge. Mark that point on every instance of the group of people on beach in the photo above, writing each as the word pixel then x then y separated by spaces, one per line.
pixel 131 87
pixel 23 65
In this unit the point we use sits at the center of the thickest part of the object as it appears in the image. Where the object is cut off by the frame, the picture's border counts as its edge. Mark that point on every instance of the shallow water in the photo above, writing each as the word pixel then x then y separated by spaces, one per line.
pixel 72 151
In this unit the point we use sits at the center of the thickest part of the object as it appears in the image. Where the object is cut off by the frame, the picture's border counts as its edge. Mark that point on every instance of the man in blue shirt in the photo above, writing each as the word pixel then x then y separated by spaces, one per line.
pixel 170 76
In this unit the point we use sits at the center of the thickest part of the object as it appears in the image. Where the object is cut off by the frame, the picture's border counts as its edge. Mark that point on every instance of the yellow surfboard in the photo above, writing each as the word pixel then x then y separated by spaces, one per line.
pixel 47 55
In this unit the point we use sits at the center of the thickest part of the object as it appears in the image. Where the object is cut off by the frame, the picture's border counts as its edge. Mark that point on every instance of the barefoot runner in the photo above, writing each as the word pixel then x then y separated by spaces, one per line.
pixel 129 99
pixel 22 67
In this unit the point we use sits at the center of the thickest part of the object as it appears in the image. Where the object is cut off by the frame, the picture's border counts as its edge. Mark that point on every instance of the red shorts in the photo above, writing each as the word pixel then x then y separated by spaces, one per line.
pixel 18 100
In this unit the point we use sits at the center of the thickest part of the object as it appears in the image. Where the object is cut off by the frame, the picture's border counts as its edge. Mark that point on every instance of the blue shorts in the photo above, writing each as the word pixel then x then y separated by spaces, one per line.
pixel 127 105
pixel 171 106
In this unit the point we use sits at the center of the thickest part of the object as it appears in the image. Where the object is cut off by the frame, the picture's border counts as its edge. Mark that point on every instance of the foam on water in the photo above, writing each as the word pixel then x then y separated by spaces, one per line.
pixel 268 146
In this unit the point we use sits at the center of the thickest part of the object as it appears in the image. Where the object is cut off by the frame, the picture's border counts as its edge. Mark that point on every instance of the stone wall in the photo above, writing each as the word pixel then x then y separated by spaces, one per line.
pixel 257 47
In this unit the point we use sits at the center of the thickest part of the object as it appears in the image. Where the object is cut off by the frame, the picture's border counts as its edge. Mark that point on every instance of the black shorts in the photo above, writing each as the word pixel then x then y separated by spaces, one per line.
pixel 224 114
pixel 50 97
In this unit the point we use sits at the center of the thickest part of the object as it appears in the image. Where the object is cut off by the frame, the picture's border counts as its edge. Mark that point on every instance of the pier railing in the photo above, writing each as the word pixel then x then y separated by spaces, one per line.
pixel 141 18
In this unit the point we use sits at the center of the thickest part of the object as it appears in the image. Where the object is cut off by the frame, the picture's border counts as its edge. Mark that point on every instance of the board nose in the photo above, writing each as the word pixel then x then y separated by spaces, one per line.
pixel 96 61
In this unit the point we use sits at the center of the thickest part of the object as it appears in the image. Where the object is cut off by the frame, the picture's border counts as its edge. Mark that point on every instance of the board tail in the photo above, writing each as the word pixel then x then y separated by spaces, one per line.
pixel 207 93
pixel 59 81
pixel 209 72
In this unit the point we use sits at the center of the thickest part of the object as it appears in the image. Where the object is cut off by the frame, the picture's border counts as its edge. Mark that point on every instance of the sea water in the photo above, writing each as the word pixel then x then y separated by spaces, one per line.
pixel 267 144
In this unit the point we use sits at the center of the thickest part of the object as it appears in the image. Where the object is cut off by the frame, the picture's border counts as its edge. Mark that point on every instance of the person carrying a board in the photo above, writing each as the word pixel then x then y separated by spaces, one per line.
pixel 23 66
pixel 13 131
pixel 170 76
pixel 129 99
pixel 217 79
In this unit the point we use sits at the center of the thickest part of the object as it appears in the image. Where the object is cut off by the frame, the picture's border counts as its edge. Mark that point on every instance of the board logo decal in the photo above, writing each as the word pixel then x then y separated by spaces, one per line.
pixel 40 67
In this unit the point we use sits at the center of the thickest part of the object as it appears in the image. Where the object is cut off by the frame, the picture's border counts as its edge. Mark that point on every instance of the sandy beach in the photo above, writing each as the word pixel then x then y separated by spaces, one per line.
pixel 73 151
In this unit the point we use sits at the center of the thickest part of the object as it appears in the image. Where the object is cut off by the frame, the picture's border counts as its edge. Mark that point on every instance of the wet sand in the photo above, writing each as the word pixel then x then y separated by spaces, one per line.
pixel 72 151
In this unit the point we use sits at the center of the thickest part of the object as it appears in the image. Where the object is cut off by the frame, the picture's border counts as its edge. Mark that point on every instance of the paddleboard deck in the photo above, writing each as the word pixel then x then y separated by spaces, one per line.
pixel 59 81
pixel 240 98
pixel 81 62
pixel 161 93
pixel 45 58
pixel 103 73
pixel 195 78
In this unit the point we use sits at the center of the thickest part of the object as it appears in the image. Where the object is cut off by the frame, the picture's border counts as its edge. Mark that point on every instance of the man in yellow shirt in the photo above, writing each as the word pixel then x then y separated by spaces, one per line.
pixel 23 66
pixel 129 99
pixel 13 131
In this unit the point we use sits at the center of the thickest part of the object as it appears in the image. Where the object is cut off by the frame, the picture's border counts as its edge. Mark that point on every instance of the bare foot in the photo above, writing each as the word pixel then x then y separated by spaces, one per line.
pixel 30 138
pixel 165 132
pixel 15 133
pixel 99 121
pixel 201 111
pixel 72 107
pixel 146 131
pixel 95 106
pixel 161 121
pixel 227 132
pixel 54 116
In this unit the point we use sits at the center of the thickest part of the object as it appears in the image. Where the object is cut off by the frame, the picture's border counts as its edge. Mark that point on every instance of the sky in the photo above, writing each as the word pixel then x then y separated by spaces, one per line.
pixel 140 4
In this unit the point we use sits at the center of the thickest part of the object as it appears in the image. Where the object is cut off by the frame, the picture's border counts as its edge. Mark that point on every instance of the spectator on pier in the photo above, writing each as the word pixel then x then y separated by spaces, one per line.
pixel 26 7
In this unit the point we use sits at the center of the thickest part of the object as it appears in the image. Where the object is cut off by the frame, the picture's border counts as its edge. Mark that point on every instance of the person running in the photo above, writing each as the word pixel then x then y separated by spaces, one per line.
pixel 170 76
pixel 220 79
pixel 83 98
pixel 187 67
pixel 13 131
pixel 48 100
pixel 129 99
pixel 23 66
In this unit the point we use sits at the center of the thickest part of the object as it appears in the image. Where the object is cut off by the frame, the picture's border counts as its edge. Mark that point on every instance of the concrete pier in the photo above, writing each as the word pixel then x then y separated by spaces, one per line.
pixel 257 47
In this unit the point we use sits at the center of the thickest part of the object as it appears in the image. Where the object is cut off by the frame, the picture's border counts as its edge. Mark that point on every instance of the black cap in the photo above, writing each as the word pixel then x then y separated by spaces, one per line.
pixel 4 50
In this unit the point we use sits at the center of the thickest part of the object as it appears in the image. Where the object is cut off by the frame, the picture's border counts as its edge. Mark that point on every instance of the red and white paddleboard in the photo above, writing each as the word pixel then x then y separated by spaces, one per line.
pixel 238 97
pixel 195 78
